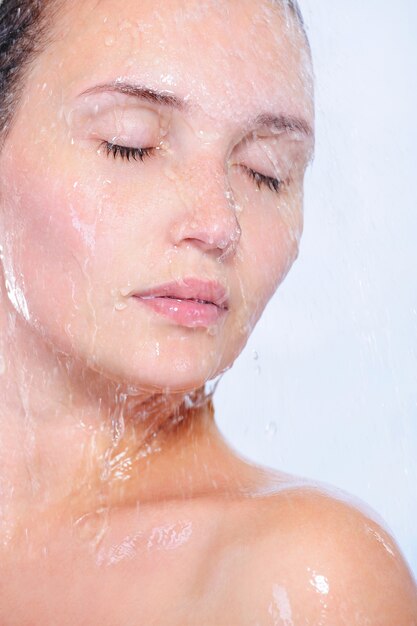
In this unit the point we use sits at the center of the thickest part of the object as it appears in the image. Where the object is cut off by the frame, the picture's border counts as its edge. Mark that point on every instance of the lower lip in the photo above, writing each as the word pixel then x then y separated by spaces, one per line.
pixel 185 312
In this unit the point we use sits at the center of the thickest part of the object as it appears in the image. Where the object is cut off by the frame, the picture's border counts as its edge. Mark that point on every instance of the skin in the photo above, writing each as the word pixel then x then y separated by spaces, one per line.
pixel 119 482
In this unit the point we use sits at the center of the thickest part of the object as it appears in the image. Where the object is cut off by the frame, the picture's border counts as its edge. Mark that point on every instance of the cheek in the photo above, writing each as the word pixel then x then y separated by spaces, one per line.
pixel 47 244
pixel 270 245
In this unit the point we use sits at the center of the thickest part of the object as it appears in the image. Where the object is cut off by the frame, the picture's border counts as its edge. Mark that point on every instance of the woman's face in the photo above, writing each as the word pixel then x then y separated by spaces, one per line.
pixel 83 227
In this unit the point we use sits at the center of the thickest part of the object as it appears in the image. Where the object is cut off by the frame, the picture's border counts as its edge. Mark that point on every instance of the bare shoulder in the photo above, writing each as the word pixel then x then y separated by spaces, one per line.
pixel 313 557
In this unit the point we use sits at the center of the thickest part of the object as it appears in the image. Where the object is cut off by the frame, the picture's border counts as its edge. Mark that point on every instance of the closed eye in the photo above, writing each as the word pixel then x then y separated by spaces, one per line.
pixel 124 152
pixel 274 184
pixel 127 153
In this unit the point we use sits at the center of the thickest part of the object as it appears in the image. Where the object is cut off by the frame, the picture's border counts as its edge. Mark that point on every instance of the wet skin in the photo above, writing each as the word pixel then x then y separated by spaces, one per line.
pixel 121 503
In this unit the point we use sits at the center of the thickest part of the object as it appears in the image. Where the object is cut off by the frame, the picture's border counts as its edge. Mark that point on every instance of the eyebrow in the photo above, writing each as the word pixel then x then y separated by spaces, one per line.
pixel 289 123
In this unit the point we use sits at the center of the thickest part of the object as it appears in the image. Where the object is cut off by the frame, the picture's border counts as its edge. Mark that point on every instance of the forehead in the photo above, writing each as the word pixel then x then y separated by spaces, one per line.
pixel 225 56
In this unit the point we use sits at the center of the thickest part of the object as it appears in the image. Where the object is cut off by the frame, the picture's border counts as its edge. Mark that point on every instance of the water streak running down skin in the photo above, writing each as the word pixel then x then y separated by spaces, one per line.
pixel 280 607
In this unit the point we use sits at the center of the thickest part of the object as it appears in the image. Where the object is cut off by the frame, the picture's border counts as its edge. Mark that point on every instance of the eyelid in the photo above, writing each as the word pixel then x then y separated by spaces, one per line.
pixel 261 157
pixel 127 123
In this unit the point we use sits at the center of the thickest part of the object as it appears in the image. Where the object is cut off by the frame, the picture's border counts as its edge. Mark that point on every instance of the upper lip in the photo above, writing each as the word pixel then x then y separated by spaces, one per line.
pixel 190 289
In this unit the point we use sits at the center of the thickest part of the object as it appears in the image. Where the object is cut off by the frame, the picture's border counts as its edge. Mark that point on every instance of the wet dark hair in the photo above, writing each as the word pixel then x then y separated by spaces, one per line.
pixel 293 6
pixel 24 33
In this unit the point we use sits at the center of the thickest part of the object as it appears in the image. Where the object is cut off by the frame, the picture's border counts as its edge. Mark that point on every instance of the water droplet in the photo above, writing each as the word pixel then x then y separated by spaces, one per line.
pixel 271 430
pixel 124 291
pixel 120 306
pixel 320 583
pixel 255 355
pixel 92 527
pixel 244 329
pixel 109 41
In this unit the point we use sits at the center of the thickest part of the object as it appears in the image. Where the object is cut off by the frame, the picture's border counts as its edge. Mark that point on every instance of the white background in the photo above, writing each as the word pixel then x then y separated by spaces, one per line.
pixel 332 394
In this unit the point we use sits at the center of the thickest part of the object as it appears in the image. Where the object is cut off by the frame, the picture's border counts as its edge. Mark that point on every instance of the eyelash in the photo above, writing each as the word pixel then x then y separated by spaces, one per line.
pixel 126 153
pixel 274 184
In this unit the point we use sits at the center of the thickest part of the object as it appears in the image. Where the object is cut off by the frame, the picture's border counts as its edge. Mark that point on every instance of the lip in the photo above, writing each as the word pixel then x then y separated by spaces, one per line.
pixel 208 292
pixel 191 302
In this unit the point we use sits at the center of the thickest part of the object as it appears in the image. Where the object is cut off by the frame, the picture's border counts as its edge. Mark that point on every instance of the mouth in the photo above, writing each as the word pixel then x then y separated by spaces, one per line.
pixel 190 289
pixel 192 302
pixel 180 299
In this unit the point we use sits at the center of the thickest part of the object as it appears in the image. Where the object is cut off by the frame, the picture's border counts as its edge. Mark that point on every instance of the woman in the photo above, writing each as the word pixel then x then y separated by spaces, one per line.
pixel 151 190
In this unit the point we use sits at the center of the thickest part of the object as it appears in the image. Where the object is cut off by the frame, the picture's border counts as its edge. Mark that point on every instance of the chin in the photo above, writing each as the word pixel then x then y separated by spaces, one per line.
pixel 174 371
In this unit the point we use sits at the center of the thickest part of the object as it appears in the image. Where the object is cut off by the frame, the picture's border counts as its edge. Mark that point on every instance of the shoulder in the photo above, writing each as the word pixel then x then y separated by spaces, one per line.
pixel 312 556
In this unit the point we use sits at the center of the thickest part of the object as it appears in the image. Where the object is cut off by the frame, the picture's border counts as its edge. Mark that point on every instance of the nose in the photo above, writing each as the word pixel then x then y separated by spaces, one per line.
pixel 207 218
